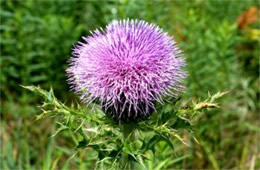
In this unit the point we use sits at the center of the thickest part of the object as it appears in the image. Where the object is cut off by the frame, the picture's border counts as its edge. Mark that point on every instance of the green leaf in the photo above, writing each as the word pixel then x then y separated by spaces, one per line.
pixel 162 164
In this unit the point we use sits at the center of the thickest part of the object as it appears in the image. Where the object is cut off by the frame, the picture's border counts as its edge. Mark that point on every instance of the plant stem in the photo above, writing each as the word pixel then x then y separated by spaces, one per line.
pixel 128 135
pixel 127 130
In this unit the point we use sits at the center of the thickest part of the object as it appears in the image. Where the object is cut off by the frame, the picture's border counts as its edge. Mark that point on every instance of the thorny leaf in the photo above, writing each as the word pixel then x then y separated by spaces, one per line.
pixel 91 128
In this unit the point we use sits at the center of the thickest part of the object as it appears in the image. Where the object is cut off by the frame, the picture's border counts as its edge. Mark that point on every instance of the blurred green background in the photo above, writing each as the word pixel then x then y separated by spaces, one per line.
pixel 220 40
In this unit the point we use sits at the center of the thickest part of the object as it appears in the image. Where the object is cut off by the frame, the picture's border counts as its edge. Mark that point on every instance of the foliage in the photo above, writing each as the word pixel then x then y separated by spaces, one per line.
pixel 120 144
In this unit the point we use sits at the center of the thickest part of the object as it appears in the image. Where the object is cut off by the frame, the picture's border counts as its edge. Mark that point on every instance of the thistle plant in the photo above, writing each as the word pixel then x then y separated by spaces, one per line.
pixel 129 76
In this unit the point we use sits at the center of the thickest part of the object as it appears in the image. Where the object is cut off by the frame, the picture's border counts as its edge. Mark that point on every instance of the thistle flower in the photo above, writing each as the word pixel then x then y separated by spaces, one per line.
pixel 128 66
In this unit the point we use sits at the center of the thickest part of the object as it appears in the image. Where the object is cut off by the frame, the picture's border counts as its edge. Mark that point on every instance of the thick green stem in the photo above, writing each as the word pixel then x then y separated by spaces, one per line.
pixel 127 130
pixel 128 135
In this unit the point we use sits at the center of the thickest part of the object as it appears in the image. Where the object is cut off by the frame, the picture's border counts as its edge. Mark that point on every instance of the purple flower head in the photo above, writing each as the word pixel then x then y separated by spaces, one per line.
pixel 128 66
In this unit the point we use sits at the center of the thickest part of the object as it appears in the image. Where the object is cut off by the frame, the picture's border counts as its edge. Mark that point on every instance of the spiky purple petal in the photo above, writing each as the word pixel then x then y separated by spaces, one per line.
pixel 127 67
